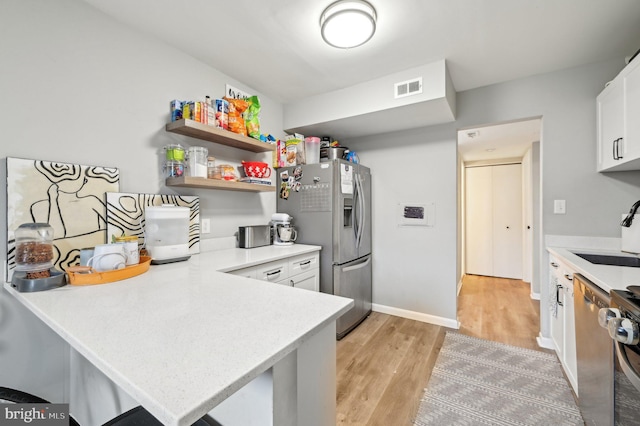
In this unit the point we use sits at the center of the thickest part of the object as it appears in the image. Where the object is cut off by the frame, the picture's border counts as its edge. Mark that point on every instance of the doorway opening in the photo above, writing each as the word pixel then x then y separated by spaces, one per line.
pixel 499 202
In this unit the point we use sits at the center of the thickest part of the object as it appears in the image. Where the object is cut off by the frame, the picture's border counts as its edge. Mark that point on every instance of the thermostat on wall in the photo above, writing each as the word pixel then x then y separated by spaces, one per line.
pixel 416 214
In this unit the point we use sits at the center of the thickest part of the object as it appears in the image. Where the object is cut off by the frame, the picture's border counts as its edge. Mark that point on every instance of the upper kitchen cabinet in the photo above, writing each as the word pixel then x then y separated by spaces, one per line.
pixel 618 131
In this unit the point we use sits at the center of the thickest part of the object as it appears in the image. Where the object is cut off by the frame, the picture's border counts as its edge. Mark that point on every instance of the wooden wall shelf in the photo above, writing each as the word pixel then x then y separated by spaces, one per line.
pixel 198 182
pixel 205 132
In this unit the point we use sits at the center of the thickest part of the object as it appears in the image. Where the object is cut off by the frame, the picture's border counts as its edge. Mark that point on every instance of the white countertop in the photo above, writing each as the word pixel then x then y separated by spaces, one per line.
pixel 604 276
pixel 183 336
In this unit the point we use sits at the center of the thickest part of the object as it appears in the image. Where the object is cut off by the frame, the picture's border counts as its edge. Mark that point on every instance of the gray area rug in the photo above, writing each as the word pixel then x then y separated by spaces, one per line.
pixel 478 382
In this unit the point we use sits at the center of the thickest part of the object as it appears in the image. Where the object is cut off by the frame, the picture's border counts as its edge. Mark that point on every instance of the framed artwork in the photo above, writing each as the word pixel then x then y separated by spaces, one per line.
pixel 69 197
pixel 125 215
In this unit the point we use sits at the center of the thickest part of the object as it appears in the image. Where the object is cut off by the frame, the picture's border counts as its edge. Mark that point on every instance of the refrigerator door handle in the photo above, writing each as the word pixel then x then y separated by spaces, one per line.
pixel 361 210
pixel 356 202
pixel 358 266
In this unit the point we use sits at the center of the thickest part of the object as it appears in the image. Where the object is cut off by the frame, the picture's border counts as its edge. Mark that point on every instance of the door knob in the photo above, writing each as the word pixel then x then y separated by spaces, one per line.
pixel 507 227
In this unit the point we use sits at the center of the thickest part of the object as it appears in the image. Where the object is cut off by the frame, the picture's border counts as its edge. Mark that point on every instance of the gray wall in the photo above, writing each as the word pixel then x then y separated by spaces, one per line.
pixel 79 87
pixel 422 274
pixel 414 267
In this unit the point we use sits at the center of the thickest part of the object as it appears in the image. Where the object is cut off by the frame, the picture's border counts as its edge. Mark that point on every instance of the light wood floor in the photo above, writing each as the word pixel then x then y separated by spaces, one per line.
pixel 385 363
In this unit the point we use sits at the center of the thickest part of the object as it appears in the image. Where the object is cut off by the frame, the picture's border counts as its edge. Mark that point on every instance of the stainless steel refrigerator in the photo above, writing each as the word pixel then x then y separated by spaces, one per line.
pixel 331 206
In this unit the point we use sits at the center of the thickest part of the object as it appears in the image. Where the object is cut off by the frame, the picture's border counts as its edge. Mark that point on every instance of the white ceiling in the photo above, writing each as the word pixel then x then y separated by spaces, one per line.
pixel 499 141
pixel 274 46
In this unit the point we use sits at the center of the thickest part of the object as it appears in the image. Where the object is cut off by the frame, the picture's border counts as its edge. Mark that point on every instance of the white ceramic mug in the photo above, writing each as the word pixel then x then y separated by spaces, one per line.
pixel 85 255
pixel 107 257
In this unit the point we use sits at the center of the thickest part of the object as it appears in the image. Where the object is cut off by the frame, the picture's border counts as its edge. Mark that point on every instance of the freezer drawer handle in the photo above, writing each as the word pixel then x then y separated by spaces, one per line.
pixel 358 266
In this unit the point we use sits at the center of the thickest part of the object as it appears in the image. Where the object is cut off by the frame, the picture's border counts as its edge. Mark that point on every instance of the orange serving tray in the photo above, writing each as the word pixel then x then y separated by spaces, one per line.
pixel 86 275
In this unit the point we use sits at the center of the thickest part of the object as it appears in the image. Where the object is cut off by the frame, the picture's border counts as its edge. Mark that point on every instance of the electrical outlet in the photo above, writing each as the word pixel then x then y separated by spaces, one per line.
pixel 234 93
pixel 559 207
pixel 205 226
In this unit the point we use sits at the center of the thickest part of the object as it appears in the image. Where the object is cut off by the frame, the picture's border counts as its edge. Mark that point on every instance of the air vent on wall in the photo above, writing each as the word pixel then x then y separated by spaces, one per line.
pixel 408 88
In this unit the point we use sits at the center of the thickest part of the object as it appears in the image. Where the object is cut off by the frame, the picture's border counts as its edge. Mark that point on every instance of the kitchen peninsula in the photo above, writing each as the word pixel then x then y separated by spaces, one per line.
pixel 185 338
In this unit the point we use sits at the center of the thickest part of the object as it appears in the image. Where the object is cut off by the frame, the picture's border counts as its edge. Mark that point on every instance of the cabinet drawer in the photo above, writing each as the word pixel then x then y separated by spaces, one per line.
pixel 273 271
pixel 303 263
pixel 307 280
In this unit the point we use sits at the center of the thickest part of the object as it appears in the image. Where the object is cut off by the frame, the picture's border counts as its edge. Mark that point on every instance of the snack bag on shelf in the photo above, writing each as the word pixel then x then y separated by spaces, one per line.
pixel 236 122
pixel 252 117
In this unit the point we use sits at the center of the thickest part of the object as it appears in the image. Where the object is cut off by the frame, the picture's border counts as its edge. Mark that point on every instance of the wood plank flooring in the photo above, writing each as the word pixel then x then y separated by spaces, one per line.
pixel 385 363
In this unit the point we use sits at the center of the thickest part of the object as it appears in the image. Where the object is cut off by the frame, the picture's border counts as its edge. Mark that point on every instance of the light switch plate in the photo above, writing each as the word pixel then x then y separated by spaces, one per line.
pixel 206 226
pixel 559 207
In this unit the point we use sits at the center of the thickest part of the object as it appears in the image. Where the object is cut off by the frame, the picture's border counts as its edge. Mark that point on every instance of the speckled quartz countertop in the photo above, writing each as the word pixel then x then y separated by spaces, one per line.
pixel 604 276
pixel 184 336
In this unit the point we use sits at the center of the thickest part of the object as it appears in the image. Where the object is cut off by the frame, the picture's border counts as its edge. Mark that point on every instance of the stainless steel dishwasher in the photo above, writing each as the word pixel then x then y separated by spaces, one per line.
pixel 594 351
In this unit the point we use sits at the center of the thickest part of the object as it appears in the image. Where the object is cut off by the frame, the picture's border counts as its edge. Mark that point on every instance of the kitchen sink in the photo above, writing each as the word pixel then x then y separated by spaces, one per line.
pixel 609 259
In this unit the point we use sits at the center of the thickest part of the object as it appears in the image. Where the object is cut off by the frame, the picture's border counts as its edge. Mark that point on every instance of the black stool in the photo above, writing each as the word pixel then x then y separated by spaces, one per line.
pixel 138 416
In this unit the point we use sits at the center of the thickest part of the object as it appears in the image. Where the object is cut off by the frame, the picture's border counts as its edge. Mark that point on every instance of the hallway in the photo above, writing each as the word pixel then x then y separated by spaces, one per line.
pixel 500 310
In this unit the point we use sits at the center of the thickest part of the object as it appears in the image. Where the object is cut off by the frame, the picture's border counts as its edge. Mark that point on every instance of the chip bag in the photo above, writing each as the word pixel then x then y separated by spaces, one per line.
pixel 236 122
pixel 251 117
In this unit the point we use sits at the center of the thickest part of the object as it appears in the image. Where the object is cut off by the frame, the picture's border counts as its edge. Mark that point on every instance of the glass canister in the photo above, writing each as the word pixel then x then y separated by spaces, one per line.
pixel 174 152
pixel 131 251
pixel 197 161
pixel 34 249
pixel 213 172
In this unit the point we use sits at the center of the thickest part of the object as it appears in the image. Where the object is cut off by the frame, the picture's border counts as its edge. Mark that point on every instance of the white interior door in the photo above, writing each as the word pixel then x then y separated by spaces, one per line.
pixel 479 221
pixel 527 217
pixel 507 221
pixel 493 220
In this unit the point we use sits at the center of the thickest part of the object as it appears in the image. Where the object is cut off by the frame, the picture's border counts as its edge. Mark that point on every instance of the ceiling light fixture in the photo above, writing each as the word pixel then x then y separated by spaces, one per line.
pixel 348 23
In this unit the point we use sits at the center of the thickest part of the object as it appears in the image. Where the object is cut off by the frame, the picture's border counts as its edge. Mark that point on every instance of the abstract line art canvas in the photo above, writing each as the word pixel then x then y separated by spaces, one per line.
pixel 125 215
pixel 69 197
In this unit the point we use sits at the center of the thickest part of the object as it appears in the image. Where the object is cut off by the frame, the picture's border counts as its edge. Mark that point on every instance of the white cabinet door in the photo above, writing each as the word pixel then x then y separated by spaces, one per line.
pixel 618 124
pixel 570 358
pixel 611 140
pixel 557 314
pixel 563 324
pixel 493 212
pixel 632 112
pixel 309 280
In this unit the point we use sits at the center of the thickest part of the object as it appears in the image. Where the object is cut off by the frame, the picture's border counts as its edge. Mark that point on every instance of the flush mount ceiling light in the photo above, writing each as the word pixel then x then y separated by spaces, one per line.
pixel 348 23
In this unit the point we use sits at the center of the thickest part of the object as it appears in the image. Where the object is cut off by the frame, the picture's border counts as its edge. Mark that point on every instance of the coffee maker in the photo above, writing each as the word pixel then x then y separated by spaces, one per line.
pixel 284 234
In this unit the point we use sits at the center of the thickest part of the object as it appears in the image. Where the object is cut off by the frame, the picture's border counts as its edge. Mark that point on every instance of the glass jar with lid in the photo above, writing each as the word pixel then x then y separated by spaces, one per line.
pixel 34 249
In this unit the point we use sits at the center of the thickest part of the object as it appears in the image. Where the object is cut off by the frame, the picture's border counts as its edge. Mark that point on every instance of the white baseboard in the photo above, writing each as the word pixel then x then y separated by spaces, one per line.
pixel 459 287
pixel 535 296
pixel 418 316
pixel 545 342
